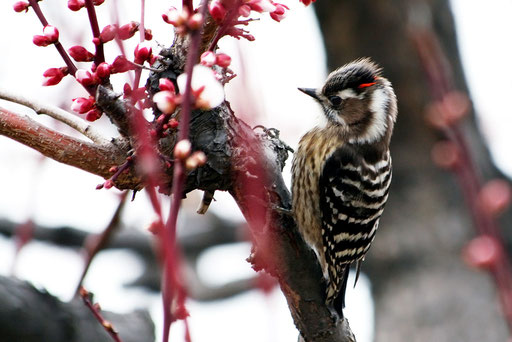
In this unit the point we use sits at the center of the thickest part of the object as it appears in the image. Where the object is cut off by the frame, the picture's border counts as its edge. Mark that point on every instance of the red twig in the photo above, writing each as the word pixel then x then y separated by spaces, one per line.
pixel 95 309
pixel 99 57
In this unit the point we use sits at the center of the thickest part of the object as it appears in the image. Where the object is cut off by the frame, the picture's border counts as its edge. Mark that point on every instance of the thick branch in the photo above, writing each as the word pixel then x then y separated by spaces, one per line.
pixel 96 159
pixel 30 315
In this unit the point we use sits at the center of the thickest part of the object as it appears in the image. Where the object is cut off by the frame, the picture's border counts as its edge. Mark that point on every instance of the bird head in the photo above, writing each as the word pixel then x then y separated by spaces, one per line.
pixel 359 100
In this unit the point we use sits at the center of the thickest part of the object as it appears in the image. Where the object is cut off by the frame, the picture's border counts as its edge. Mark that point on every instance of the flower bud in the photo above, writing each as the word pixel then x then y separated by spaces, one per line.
pixel 445 154
pixel 21 6
pixel 75 5
pixel 121 64
pixel 39 40
pixel 217 10
pixel 103 70
pixel 148 34
pixel 223 60
pixel 51 33
pixel 173 123
pixel 495 196
pixel 196 160
pixel 182 149
pixel 142 52
pixel 93 115
pixel 207 90
pixel 196 21
pixel 80 54
pixel 108 184
pixel 166 84
pixel 108 33
pixel 85 78
pixel 208 58
pixel 82 105
pixel 53 76
pixel 262 6
pixel 482 252
pixel 280 12
pixel 244 11
pixel 127 31
pixel 165 101
pixel 307 2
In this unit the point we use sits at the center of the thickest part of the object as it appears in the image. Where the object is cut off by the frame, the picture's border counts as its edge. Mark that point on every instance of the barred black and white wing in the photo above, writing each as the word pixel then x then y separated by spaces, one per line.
pixel 353 192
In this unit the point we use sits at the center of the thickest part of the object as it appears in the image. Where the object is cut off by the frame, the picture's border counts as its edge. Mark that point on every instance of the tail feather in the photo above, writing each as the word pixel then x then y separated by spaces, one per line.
pixel 336 290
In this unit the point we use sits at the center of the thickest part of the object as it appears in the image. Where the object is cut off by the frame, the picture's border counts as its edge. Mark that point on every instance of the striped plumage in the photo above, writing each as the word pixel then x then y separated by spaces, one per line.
pixel 342 171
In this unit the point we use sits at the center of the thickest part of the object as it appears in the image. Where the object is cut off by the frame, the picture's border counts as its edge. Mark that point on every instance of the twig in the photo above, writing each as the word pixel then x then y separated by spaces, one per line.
pixel 57 113
pixel 99 242
pixel 109 328
pixel 99 56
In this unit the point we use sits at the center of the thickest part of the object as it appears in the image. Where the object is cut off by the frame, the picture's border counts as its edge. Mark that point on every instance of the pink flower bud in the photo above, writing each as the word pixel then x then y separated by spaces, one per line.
pixel 121 64
pixel 495 196
pixel 456 105
pixel 244 11
pixel 108 33
pixel 223 60
pixel 51 33
pixel 208 58
pixel 262 6
pixel 39 40
pixel 108 184
pixel 148 34
pixel 307 2
pixel 21 6
pixel 207 90
pixel 53 76
pixel 280 12
pixel 217 10
pixel 166 84
pixel 82 105
pixel 85 78
pixel 196 160
pixel 173 123
pixel 482 252
pixel 196 21
pixel 127 31
pixel 75 5
pixel 165 101
pixel 445 154
pixel 80 54
pixel 175 17
pixel 182 149
pixel 103 70
pixel 93 115
pixel 142 52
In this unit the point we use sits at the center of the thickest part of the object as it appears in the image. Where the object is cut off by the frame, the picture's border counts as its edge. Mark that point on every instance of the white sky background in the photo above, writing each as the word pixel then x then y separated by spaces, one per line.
pixel 284 56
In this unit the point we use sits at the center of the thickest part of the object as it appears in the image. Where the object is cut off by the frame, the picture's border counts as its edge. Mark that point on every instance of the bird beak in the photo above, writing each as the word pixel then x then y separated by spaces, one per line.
pixel 310 91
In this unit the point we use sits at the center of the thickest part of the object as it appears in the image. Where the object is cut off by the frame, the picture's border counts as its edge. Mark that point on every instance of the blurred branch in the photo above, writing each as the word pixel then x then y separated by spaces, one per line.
pixel 446 113
pixel 30 315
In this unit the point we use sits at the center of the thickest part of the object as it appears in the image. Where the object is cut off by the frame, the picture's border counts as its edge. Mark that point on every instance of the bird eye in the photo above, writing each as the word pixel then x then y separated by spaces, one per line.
pixel 335 100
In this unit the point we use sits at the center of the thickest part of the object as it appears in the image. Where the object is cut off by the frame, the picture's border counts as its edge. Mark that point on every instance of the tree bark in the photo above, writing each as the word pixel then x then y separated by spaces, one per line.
pixel 423 291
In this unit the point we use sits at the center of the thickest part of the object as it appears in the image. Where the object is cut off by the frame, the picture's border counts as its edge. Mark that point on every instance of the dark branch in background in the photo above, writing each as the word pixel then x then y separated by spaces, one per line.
pixel 30 315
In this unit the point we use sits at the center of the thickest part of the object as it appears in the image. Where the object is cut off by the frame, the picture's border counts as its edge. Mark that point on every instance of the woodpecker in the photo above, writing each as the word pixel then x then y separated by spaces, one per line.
pixel 341 171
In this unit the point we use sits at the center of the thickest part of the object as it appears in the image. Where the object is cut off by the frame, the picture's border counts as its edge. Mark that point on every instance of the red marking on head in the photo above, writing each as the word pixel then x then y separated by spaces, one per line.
pixel 364 85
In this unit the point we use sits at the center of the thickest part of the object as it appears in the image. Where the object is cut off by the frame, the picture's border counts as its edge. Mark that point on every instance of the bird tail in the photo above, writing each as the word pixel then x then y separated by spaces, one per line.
pixel 336 289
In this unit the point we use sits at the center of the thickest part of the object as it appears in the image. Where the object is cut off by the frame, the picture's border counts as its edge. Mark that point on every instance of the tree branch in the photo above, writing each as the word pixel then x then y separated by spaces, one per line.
pixel 30 315
pixel 93 158
pixel 61 115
